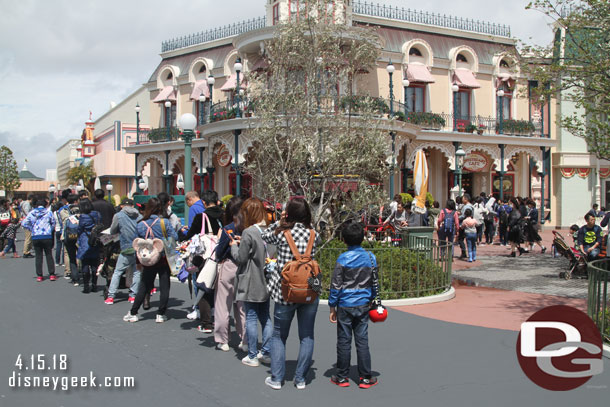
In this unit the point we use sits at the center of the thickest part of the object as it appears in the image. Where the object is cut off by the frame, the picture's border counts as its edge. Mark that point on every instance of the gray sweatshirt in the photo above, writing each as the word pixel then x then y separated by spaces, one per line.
pixel 250 256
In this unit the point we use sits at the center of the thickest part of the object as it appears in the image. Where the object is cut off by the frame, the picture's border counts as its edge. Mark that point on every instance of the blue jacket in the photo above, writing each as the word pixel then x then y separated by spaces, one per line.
pixel 86 222
pixel 352 281
pixel 41 223
pixel 156 228
pixel 194 210
pixel 125 223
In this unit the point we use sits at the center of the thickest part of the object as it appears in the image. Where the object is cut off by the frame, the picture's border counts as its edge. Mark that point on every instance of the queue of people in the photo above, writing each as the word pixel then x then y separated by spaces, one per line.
pixel 245 284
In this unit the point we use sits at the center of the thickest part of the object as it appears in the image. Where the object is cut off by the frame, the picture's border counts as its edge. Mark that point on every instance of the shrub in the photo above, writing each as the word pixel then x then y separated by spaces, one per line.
pixel 512 126
pixel 422 119
pixel 406 198
pixel 470 128
pixel 400 270
pixel 225 199
pixel 160 134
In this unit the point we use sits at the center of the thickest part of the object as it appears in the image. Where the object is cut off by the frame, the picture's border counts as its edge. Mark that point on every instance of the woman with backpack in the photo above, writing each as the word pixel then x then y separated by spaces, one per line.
pixel 69 218
pixel 151 227
pixel 515 233
pixel 448 222
pixel 249 252
pixel 297 221
pixel 88 255
pixel 41 223
pixel 224 299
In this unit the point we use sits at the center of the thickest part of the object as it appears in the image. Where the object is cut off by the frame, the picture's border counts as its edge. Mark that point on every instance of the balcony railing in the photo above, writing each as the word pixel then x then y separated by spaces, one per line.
pixel 213 34
pixel 422 17
pixel 161 135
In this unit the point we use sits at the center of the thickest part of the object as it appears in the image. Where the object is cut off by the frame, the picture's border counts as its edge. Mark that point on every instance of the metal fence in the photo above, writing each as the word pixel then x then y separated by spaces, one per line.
pixel 420 269
pixel 424 17
pixel 598 301
pixel 214 34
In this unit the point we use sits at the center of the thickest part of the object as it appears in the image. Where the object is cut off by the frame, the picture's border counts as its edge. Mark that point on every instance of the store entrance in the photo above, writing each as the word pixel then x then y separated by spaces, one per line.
pixel 467 183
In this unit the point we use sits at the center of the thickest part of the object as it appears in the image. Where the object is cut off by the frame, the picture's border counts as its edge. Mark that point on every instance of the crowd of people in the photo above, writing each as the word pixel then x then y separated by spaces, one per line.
pixel 75 225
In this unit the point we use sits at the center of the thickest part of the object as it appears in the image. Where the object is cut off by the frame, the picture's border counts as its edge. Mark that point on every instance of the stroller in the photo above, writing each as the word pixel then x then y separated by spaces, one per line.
pixel 577 259
pixel 111 252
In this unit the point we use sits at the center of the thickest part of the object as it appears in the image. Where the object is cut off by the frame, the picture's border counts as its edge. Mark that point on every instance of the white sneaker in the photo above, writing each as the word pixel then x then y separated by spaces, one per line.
pixel 243 346
pixel 263 358
pixel 193 315
pixel 131 318
pixel 161 318
pixel 250 362
pixel 223 347
pixel 272 384
pixel 300 385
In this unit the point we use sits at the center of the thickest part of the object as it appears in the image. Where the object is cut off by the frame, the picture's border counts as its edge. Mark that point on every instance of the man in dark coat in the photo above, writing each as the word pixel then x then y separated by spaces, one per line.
pixel 105 208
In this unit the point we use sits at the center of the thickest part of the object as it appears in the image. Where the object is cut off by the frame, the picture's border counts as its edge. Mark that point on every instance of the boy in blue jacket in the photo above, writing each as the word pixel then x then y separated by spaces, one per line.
pixel 351 293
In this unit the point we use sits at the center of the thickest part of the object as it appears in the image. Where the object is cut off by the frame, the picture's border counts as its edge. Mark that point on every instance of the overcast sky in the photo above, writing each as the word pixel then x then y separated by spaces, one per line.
pixel 59 59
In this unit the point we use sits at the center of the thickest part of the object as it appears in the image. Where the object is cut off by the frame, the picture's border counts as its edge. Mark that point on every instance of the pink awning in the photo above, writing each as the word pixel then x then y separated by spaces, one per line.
pixel 465 78
pixel 200 87
pixel 231 82
pixel 419 73
pixel 167 93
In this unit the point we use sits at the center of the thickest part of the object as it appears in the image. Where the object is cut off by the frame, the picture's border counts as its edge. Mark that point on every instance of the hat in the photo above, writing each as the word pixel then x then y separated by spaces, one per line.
pixel 127 201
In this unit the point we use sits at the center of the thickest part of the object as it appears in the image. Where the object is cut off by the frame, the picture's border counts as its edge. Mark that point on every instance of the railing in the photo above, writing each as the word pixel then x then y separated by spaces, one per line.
pixel 213 34
pixel 160 135
pixel 228 110
pixel 422 17
pixel 423 268
pixel 598 300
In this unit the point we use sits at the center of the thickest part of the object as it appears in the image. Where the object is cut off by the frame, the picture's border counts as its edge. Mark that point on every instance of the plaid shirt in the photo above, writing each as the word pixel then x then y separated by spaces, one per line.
pixel 300 235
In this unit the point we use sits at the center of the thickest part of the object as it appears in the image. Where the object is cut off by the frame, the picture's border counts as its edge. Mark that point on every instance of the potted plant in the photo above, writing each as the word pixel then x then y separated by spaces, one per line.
pixel 481 129
pixel 470 128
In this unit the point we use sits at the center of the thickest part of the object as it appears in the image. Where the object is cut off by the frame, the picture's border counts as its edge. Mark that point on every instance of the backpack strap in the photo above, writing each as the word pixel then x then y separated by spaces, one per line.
pixel 312 238
pixel 149 228
pixel 293 247
pixel 205 220
pixel 163 230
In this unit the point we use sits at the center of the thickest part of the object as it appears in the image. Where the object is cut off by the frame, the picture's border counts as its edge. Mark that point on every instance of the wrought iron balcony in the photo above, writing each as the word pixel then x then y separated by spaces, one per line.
pixel 421 17
pixel 161 135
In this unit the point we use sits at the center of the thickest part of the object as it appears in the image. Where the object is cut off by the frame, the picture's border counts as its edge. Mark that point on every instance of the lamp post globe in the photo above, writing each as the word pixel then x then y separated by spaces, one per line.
pixel 455 88
pixel 52 191
pixel 501 110
pixel 109 188
pixel 238 67
pixel 211 82
pixel 142 185
pixel 405 83
pixel 460 154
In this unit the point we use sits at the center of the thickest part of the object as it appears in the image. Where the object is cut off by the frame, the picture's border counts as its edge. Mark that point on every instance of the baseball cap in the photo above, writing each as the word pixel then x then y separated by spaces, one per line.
pixel 127 201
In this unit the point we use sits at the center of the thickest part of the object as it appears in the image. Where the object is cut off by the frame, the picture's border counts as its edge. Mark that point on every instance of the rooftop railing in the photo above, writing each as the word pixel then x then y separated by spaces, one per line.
pixel 424 17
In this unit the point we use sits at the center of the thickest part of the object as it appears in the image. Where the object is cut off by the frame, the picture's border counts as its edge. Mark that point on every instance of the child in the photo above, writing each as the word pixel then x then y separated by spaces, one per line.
pixel 574 234
pixel 9 234
pixel 351 293
pixel 469 225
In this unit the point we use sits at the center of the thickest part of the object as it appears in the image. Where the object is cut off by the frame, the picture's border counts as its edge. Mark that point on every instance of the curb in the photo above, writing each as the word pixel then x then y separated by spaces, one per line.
pixel 607 351
pixel 446 296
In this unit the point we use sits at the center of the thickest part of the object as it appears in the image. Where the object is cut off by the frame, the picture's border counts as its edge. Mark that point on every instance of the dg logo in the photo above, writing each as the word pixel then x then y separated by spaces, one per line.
pixel 559 348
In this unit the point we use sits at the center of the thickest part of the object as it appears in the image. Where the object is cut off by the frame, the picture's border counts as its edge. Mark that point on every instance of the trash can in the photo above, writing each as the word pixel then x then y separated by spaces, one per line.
pixel 417 238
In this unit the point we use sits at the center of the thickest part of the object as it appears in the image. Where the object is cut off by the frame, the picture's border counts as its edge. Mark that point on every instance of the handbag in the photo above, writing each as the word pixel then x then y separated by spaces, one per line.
pixel 270 264
pixel 377 312
pixel 207 276
pixel 169 247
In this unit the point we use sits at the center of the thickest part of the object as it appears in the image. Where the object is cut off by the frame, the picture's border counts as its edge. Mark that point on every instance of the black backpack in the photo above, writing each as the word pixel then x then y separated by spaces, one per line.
pixel 94 235
pixel 449 221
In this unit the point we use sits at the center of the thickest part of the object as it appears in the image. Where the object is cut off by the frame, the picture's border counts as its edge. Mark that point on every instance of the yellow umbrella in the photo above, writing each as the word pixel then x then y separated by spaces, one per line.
pixel 420 177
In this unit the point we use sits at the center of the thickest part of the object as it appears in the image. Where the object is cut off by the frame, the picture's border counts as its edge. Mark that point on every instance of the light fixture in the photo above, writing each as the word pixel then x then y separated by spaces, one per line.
pixel 455 88
pixel 180 185
pixel 142 184
pixel 137 108
pixel 109 186
pixel 52 188
pixel 211 80
pixel 238 66
pixel 405 83
pixel 202 97
pixel 168 104
pixel 390 68
pixel 501 93
pixel 460 154
pixel 187 121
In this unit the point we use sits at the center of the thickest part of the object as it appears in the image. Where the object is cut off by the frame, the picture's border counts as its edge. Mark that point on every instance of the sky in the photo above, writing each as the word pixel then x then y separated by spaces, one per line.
pixel 60 59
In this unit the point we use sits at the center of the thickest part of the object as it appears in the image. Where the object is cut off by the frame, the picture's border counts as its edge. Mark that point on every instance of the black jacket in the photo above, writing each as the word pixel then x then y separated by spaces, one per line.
pixel 216 215
pixel 105 209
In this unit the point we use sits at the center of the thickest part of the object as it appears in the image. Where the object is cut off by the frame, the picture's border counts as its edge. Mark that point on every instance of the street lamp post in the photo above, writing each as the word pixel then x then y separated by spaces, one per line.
pixel 390 68
pixel 405 85
pixel 137 109
pixel 501 100
pixel 52 191
pixel 459 155
pixel 188 122
pixel 109 188
pixel 455 88
pixel 211 82
pixel 168 117
pixel 142 184
pixel 201 100
pixel 238 67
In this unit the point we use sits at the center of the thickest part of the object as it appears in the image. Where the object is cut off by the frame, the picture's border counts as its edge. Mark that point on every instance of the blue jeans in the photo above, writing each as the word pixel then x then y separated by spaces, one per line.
pixel 123 262
pixel 448 237
pixel 471 239
pixel 282 318
pixel 593 255
pixel 258 312
pixel 59 253
pixel 356 320
pixel 10 245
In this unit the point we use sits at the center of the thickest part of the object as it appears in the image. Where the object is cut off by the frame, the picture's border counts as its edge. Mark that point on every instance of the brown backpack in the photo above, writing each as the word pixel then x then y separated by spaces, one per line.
pixel 295 274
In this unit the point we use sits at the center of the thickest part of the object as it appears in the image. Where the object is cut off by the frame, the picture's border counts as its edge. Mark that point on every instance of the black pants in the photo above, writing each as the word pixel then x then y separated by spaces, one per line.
pixel 71 249
pixel 44 246
pixel 205 310
pixel 356 320
pixel 489 232
pixel 461 239
pixel 147 283
pixel 90 271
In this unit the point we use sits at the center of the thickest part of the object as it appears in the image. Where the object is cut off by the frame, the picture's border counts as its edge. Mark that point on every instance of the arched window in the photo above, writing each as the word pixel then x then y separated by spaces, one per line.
pixel 415 52
pixel 169 76
pixel 504 64
pixel 461 58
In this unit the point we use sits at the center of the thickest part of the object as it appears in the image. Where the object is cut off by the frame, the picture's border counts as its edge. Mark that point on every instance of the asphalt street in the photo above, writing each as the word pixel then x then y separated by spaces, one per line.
pixel 419 361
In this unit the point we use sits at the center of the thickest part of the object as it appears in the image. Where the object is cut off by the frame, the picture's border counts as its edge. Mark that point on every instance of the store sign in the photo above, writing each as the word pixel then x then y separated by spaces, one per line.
pixel 223 157
pixel 475 162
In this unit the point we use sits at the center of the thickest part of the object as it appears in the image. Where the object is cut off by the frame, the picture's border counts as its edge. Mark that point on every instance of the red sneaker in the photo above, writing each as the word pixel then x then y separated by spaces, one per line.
pixel 365 382
pixel 153 291
pixel 52 278
pixel 109 301
pixel 39 279
pixel 341 382
pixel 131 300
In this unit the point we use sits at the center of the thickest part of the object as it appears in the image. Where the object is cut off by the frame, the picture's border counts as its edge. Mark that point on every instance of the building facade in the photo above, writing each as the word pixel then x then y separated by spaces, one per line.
pixel 455 83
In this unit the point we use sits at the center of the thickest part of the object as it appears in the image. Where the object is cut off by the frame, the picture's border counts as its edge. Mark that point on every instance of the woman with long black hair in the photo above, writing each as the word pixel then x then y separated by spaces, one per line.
pixel 88 255
pixel 515 233
pixel 150 227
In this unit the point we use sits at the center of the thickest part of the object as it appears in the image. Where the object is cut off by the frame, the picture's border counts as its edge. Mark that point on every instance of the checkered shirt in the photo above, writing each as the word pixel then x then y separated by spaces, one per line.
pixel 300 235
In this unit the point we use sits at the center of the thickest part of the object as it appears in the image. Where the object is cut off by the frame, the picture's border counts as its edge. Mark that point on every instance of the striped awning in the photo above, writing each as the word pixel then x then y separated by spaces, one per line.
pixel 465 78
pixel 167 93
pixel 199 88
